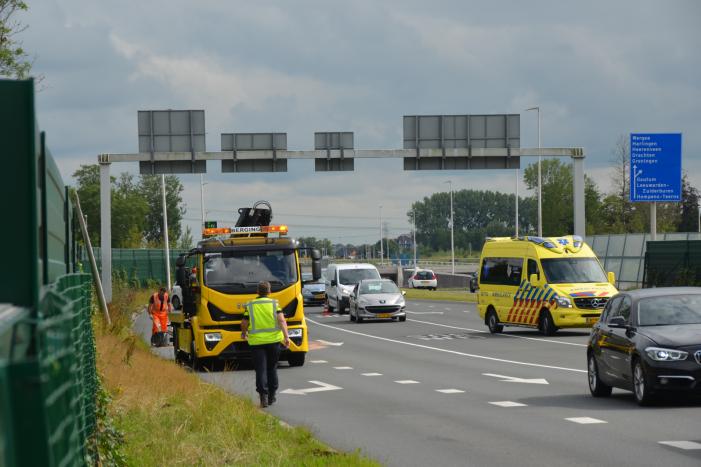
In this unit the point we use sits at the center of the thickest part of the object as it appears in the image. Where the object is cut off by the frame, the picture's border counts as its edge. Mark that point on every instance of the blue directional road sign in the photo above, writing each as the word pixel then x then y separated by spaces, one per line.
pixel 655 167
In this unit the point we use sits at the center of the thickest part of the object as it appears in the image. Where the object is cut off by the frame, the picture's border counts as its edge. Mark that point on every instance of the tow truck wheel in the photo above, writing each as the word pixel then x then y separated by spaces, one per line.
pixel 296 359
pixel 195 362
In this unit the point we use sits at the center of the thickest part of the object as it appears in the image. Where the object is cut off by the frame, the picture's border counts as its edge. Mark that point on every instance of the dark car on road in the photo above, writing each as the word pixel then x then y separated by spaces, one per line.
pixel 647 341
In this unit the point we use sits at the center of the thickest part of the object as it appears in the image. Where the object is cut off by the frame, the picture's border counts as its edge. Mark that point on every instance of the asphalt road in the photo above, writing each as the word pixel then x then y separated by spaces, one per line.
pixel 440 390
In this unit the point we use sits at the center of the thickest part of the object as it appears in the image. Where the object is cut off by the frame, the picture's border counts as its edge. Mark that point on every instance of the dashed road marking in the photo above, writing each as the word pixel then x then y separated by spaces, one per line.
pixel 508 404
pixel 406 381
pixel 585 420
pixel 450 391
pixel 318 361
pixel 685 445
pixel 454 352
pixel 499 335
pixel 371 374
pixel 425 312
pixel 343 368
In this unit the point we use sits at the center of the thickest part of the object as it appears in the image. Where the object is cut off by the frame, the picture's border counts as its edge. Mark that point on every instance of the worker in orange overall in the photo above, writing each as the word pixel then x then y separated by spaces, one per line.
pixel 158 308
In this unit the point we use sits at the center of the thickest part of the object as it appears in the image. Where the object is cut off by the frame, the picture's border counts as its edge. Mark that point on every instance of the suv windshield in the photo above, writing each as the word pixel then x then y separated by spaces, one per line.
pixel 353 276
pixel 669 310
pixel 240 272
pixel 573 270
pixel 371 287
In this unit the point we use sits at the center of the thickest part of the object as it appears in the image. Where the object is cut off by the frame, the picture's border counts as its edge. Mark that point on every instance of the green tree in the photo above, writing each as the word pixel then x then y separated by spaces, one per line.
pixel 87 179
pixel 186 241
pixel 150 186
pixel 558 197
pixel 128 213
pixel 14 62
pixel 689 215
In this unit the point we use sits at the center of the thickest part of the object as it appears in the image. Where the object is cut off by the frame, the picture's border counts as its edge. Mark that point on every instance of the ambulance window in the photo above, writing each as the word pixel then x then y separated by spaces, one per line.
pixel 533 268
pixel 501 271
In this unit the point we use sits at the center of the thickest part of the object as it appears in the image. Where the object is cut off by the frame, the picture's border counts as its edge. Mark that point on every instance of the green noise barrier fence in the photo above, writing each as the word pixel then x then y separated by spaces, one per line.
pixel 48 380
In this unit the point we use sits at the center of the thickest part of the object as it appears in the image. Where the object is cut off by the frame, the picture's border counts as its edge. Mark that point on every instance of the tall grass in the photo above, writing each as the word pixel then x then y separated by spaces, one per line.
pixel 169 416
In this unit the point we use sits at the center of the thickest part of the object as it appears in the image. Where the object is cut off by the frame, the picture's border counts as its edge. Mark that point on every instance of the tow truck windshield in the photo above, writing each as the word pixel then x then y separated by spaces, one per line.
pixel 240 272
pixel 573 270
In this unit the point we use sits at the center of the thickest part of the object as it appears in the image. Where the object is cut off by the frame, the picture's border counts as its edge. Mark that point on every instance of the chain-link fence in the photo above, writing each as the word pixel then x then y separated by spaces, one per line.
pixel 48 379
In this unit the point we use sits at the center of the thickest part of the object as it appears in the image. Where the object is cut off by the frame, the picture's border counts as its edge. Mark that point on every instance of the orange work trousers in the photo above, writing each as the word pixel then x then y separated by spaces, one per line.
pixel 162 320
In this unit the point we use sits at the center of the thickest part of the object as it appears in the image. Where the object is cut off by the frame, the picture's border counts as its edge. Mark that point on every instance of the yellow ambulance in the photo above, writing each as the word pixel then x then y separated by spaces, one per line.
pixel 546 283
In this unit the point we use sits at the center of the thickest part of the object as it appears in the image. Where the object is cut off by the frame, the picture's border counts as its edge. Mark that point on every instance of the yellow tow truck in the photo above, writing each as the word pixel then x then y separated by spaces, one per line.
pixel 221 275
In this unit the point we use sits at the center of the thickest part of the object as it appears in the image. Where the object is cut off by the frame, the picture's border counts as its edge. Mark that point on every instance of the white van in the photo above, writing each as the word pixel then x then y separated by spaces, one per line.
pixel 340 279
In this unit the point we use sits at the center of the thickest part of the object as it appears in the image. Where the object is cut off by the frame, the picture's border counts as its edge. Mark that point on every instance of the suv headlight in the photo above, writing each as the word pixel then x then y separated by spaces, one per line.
pixel 564 302
pixel 294 332
pixel 665 355
pixel 212 337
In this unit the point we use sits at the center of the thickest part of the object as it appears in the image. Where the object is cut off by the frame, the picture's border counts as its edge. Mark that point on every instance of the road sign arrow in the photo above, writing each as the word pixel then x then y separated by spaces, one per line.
pixel 335 344
pixel 512 379
pixel 321 386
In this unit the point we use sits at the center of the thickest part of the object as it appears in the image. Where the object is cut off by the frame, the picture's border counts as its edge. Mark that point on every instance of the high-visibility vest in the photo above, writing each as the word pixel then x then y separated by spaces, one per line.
pixel 263 327
pixel 159 306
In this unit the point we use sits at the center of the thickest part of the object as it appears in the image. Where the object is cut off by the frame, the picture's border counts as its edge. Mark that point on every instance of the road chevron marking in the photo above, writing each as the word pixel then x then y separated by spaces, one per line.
pixel 450 391
pixel 686 445
pixel 406 381
pixel 335 344
pixel 321 386
pixel 371 374
pixel 343 368
pixel 512 379
pixel 318 361
pixel 499 335
pixel 585 420
pixel 454 352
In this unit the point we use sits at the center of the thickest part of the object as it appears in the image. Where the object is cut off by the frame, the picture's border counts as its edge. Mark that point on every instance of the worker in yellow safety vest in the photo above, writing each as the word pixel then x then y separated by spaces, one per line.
pixel 265 328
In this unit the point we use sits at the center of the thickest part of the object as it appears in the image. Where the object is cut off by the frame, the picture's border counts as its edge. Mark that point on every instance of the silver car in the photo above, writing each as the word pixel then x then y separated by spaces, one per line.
pixel 377 299
pixel 313 292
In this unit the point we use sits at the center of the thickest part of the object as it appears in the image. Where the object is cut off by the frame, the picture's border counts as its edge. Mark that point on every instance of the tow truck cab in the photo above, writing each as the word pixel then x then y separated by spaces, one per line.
pixel 229 266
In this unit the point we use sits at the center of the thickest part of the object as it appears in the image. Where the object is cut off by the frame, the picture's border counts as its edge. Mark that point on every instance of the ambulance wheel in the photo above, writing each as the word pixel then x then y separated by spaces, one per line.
pixel 493 322
pixel 296 359
pixel 545 323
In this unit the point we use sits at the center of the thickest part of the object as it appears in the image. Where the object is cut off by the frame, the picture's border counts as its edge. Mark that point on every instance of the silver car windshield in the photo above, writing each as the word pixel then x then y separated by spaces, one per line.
pixel 377 287
pixel 669 310
pixel 353 276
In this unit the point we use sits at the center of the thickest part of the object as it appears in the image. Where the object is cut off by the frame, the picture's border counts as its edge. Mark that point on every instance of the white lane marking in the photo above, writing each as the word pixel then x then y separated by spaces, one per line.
pixel 508 404
pixel 450 391
pixel 335 344
pixel 318 361
pixel 425 312
pixel 371 374
pixel 406 381
pixel 686 445
pixel 512 379
pixel 431 306
pixel 321 386
pixel 454 352
pixel 343 368
pixel 585 420
pixel 500 335
pixel 449 309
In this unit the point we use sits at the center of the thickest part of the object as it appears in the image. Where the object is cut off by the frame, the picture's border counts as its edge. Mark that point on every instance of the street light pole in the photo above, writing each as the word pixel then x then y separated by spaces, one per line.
pixel 452 244
pixel 382 251
pixel 202 198
pixel 166 246
pixel 413 218
pixel 540 187
pixel 516 202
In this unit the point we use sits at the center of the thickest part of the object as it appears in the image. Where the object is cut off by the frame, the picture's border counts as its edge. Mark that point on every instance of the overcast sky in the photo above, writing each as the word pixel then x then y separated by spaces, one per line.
pixel 597 69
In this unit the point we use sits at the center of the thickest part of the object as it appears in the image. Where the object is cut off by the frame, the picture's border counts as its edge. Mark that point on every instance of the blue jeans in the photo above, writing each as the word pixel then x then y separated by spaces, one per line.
pixel 265 358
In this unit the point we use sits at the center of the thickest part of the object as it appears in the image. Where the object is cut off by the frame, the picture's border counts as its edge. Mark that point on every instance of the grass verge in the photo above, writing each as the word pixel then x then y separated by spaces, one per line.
pixel 451 295
pixel 169 416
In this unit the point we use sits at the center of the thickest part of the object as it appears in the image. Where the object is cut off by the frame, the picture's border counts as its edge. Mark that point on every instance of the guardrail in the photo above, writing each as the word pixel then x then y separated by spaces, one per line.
pixel 48 379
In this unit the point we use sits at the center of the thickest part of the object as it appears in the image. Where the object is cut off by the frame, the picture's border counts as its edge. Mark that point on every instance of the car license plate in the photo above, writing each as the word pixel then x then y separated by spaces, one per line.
pixel 384 315
pixel 319 295
pixel 593 320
